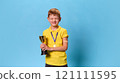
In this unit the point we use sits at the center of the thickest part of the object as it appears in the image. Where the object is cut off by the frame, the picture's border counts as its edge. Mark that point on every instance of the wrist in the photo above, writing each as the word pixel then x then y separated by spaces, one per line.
pixel 51 49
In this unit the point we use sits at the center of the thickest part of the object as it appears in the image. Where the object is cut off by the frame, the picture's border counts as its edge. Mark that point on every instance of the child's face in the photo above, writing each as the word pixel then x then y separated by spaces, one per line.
pixel 54 20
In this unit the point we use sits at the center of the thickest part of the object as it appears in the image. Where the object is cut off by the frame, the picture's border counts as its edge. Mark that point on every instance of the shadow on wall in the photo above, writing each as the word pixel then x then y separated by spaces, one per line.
pixel 79 48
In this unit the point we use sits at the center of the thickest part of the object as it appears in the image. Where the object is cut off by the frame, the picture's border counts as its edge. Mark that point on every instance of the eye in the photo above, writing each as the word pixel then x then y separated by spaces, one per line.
pixel 51 18
pixel 56 18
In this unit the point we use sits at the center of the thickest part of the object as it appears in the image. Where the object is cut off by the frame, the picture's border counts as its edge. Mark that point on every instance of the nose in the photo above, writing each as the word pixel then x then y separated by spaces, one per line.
pixel 53 19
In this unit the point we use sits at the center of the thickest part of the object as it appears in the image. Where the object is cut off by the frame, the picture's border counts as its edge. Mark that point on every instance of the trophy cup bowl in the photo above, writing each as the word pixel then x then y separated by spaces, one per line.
pixel 43 39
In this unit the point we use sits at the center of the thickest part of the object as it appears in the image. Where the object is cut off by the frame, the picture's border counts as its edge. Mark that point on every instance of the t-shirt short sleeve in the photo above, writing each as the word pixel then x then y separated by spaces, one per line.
pixel 65 34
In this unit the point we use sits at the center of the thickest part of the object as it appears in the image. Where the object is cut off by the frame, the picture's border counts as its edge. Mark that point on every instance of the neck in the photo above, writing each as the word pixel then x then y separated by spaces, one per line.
pixel 54 27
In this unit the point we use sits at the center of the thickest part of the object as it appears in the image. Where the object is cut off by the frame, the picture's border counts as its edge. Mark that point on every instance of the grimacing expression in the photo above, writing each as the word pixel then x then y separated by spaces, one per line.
pixel 54 20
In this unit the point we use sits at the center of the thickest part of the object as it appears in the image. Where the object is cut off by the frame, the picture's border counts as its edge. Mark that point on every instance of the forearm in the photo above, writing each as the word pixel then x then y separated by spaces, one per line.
pixel 62 48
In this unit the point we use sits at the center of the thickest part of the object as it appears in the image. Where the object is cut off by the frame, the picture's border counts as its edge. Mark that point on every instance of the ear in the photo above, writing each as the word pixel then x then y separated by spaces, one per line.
pixel 60 19
pixel 48 18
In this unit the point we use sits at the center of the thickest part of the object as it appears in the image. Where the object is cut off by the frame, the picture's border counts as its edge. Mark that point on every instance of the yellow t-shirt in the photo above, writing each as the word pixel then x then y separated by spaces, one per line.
pixel 57 58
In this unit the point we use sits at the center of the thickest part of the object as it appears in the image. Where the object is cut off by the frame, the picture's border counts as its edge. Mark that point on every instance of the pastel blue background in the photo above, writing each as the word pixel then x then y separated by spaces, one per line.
pixel 93 27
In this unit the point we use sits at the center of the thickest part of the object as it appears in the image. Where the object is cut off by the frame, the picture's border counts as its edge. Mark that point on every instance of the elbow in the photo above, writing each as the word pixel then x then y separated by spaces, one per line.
pixel 65 48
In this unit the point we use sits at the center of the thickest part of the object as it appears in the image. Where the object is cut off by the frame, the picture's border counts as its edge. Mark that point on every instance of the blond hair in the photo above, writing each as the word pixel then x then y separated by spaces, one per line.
pixel 54 11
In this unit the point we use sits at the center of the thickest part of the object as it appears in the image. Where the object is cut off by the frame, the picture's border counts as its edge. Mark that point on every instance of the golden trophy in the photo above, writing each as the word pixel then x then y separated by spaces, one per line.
pixel 43 39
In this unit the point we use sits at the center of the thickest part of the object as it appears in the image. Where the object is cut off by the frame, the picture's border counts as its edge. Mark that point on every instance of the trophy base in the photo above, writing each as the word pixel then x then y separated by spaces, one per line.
pixel 43 52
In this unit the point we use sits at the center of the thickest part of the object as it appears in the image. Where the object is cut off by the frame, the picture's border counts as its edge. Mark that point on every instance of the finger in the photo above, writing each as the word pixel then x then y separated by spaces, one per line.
pixel 43 49
pixel 43 44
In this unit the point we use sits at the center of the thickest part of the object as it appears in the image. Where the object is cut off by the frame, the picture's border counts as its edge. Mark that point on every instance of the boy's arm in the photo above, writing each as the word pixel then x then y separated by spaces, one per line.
pixel 62 48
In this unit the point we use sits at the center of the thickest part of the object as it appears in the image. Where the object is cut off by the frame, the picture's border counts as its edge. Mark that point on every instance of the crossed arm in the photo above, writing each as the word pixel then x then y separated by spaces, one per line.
pixel 61 48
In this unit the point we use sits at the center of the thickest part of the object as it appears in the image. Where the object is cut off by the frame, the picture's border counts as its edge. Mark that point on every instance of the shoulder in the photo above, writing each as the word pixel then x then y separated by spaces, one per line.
pixel 63 29
pixel 63 32
pixel 46 30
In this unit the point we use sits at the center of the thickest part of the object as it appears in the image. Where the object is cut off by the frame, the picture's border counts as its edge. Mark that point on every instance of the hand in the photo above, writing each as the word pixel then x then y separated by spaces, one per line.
pixel 44 47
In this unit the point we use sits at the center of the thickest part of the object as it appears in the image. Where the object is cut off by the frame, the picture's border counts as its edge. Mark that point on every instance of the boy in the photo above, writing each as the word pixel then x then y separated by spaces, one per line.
pixel 57 41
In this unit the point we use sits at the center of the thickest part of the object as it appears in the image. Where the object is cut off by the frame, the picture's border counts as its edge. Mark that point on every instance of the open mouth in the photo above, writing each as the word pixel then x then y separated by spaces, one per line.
pixel 53 23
